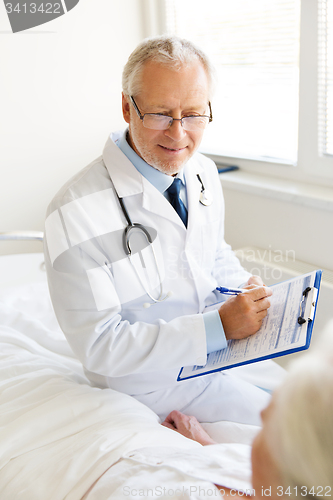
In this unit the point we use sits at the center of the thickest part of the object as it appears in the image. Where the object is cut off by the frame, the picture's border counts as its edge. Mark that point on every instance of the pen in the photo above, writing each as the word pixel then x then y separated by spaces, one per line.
pixel 230 291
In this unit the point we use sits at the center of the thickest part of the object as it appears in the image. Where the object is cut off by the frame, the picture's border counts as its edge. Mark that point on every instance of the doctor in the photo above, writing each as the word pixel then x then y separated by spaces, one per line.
pixel 135 249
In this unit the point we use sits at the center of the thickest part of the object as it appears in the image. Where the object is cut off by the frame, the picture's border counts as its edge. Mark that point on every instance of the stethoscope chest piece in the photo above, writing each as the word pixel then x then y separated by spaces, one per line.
pixel 206 198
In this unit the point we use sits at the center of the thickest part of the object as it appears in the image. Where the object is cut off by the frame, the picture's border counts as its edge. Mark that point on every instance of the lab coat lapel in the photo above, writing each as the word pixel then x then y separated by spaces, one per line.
pixel 194 241
pixel 193 189
pixel 128 181
pixel 125 177
pixel 155 202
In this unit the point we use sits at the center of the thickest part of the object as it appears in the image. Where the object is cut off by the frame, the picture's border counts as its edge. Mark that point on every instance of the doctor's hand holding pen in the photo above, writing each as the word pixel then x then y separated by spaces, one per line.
pixel 242 314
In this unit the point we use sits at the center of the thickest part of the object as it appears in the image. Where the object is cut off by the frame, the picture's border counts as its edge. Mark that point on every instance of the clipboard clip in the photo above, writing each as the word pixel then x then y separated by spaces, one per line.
pixel 301 320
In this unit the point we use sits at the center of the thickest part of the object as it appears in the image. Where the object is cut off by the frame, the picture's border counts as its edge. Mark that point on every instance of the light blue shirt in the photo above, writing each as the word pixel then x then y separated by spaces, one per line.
pixel 215 336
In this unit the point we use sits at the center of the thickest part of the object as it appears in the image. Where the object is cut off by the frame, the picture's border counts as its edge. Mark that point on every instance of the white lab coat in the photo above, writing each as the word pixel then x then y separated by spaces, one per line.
pixel 96 294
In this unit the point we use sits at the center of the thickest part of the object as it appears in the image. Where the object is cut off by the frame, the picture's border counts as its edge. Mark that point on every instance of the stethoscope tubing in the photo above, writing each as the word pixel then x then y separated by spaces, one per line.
pixel 205 199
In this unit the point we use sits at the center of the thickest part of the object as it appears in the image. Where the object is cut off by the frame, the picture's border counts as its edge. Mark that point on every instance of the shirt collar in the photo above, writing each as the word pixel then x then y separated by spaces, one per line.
pixel 158 179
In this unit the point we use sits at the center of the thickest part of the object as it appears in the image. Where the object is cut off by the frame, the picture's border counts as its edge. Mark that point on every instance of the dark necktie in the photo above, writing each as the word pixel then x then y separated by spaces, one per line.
pixel 176 202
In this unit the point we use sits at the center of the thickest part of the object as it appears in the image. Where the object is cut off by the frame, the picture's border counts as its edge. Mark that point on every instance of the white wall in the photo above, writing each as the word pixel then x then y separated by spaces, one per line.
pixel 60 97
pixel 280 226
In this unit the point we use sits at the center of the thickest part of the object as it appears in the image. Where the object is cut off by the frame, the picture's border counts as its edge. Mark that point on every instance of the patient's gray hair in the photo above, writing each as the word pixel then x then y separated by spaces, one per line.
pixel 303 424
pixel 171 51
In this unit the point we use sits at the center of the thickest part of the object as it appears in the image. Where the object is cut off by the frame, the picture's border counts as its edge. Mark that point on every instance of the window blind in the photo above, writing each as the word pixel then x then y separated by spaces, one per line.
pixel 326 77
pixel 255 49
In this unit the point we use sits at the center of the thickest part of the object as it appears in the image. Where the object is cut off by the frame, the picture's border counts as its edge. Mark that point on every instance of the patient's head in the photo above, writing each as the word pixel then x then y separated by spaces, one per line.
pixel 295 447
pixel 292 456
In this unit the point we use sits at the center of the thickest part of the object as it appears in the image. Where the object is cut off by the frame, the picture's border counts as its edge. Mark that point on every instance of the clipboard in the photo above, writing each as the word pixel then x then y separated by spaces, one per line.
pixel 294 333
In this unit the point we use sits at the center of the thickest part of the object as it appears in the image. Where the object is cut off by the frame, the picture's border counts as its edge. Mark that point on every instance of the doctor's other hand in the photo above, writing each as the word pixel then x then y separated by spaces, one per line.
pixel 188 426
pixel 242 314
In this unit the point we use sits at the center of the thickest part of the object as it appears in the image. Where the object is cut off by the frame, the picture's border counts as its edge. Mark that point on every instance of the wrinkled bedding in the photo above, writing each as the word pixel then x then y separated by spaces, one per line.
pixel 59 434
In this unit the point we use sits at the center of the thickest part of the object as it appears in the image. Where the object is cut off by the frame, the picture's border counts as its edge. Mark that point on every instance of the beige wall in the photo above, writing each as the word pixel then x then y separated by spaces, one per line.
pixel 282 226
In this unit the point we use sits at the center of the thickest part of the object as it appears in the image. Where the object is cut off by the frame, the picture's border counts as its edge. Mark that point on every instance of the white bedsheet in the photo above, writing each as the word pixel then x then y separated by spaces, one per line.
pixel 58 434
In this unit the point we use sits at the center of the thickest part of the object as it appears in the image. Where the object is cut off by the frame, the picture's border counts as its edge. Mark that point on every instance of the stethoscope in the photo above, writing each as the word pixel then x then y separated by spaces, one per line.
pixel 205 199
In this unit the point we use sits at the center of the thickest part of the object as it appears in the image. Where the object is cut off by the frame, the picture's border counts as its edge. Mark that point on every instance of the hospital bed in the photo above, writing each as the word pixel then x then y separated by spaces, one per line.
pixel 58 433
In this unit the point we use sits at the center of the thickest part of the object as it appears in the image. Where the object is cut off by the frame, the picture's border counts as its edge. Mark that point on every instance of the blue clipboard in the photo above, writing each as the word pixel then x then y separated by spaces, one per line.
pixel 301 319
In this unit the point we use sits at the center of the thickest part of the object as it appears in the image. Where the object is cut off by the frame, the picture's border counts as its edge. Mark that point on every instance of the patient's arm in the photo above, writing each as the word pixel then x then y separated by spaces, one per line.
pixel 187 426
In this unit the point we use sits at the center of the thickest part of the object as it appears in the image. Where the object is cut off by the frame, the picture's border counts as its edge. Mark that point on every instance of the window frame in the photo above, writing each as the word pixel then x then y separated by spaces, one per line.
pixel 311 167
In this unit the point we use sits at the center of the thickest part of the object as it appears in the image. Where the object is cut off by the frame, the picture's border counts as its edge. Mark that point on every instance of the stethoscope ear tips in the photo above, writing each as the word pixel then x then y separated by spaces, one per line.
pixel 169 294
pixel 146 305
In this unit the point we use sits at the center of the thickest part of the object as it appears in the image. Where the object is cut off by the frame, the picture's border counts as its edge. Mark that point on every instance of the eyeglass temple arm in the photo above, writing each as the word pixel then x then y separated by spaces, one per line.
pixel 210 112
pixel 136 108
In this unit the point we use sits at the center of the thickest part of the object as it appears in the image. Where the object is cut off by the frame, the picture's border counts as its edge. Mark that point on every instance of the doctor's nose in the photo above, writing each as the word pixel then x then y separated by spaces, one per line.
pixel 176 131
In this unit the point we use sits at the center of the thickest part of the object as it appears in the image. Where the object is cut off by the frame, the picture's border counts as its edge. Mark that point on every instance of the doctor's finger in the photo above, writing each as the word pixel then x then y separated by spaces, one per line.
pixel 255 280
pixel 261 315
pixel 263 304
pixel 252 286
pixel 258 293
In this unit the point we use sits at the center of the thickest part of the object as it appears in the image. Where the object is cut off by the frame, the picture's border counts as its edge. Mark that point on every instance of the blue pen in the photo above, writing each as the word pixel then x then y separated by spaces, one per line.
pixel 230 291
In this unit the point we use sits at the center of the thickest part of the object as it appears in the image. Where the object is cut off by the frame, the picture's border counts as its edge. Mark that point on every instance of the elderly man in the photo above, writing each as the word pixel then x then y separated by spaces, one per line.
pixel 135 248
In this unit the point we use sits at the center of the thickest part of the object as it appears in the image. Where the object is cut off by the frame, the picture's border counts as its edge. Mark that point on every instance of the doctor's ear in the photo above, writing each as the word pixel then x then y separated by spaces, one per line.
pixel 126 107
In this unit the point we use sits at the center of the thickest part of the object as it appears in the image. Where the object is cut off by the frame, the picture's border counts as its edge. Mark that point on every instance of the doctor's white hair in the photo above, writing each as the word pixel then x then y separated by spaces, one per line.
pixel 302 426
pixel 171 51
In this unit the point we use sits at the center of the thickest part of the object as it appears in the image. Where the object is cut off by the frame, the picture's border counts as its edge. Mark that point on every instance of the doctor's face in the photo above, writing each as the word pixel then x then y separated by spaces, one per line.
pixel 174 93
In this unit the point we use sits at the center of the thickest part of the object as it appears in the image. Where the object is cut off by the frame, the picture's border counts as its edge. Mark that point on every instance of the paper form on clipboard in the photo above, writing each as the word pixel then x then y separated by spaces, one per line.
pixel 287 328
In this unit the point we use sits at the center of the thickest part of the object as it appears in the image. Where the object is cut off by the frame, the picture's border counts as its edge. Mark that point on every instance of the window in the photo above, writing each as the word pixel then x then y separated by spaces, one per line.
pixel 326 78
pixel 273 109
pixel 254 47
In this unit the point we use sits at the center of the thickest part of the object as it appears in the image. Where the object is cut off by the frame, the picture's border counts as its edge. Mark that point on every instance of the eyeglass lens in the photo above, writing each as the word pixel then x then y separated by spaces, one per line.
pixel 160 122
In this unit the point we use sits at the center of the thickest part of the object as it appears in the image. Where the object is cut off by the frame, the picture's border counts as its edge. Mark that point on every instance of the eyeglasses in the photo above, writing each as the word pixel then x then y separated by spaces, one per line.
pixel 157 121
